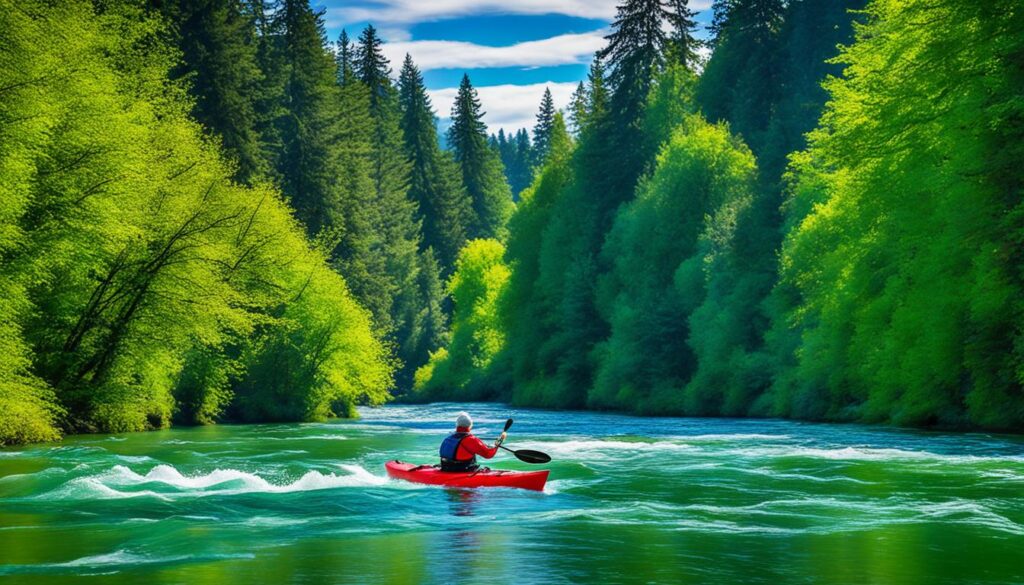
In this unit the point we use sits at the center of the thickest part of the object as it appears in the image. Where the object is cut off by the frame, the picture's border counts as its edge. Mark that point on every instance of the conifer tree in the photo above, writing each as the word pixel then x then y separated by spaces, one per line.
pixel 357 255
pixel 578 109
pixel 269 99
pixel 597 90
pixel 307 163
pixel 482 171
pixel 635 51
pixel 522 150
pixel 435 181
pixel 390 168
pixel 398 228
pixel 683 45
pixel 516 155
pixel 542 129
pixel 742 82
pixel 218 56
pixel 345 59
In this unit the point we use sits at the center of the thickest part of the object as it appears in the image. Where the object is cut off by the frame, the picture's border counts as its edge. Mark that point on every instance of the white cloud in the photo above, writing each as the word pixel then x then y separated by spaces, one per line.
pixel 395 34
pixel 410 11
pixel 507 106
pixel 559 50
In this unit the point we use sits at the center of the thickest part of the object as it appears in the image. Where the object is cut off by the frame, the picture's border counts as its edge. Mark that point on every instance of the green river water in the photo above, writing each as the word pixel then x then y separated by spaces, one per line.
pixel 630 500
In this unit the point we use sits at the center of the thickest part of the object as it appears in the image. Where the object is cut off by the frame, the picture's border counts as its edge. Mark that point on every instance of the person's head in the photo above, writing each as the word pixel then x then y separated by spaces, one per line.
pixel 463 421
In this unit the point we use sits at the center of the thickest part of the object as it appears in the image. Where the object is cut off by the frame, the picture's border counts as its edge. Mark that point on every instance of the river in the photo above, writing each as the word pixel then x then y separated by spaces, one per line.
pixel 630 500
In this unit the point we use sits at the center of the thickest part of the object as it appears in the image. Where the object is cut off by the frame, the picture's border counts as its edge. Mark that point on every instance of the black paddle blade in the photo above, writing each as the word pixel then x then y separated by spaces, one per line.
pixel 508 424
pixel 530 456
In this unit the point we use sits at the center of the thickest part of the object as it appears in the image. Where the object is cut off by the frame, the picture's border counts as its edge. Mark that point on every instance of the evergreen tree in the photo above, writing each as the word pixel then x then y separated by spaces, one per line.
pixel 520 153
pixel 345 59
pixel 435 182
pixel 482 171
pixel 269 99
pixel 636 52
pixel 373 67
pixel 578 109
pixel 742 82
pixel 542 129
pixel 218 57
pixel 597 91
pixel 683 44
pixel 358 254
pixel 307 163
pixel 398 229
pixel 516 155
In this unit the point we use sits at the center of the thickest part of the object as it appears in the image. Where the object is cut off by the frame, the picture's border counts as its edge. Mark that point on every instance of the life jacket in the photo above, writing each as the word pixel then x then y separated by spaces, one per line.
pixel 450 449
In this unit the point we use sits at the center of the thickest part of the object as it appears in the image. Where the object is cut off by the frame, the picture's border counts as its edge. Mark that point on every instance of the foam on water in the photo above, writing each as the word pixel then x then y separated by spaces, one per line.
pixel 165 482
pixel 307 438
pixel 574 448
pixel 860 453
pixel 592 449
pixel 717 437
pixel 784 516
pixel 134 458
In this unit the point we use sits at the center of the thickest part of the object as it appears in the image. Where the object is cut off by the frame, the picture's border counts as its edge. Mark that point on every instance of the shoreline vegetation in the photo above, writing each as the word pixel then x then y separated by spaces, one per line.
pixel 821 222
pixel 212 213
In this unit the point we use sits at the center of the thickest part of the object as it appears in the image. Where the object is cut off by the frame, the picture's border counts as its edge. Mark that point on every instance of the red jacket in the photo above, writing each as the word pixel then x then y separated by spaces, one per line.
pixel 471 445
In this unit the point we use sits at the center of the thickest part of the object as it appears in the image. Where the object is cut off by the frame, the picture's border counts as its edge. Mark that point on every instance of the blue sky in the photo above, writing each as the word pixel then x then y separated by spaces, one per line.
pixel 512 49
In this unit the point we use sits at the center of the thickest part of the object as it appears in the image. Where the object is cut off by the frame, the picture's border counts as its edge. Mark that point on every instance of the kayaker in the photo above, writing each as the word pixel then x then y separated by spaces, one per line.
pixel 459 449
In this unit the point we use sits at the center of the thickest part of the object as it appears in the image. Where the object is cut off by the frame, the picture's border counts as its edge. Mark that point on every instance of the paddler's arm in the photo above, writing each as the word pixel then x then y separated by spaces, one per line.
pixel 477 447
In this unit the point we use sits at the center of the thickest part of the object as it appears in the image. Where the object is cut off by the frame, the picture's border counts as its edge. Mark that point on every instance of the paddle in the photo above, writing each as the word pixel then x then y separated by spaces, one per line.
pixel 525 455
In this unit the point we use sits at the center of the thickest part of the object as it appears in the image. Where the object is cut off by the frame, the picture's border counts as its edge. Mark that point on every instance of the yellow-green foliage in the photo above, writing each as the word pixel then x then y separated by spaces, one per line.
pixel 901 278
pixel 480 278
pixel 321 346
pixel 128 250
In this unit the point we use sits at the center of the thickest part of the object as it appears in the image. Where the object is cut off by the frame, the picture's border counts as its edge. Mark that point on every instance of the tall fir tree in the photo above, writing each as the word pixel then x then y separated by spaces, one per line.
pixel 218 44
pixel 398 229
pixel 641 35
pixel 482 171
pixel 683 44
pixel 270 100
pixel 543 128
pixel 358 254
pixel 516 156
pixel 597 90
pixel 344 57
pixel 742 82
pixel 578 109
pixel 308 129
pixel 435 180
pixel 636 52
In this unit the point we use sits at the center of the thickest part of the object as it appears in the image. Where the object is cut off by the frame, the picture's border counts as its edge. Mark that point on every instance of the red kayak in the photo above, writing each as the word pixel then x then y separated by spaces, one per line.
pixel 483 477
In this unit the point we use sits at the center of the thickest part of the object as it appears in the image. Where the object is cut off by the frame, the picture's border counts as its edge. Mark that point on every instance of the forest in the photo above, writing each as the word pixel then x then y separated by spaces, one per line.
pixel 822 221
pixel 211 212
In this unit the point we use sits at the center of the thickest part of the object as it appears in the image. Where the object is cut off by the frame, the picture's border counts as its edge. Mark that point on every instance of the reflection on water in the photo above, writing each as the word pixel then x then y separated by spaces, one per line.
pixel 629 500
pixel 463 501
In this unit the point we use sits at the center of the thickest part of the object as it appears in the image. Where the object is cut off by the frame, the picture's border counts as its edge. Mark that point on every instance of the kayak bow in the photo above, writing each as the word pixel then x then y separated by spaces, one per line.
pixel 428 474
